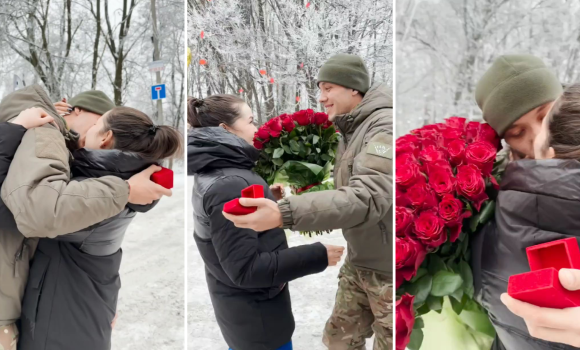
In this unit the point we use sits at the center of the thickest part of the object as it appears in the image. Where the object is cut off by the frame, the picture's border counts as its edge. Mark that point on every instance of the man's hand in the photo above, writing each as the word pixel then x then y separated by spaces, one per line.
pixel 33 118
pixel 334 254
pixel 62 107
pixel 560 326
pixel 144 191
pixel 267 216
pixel 278 191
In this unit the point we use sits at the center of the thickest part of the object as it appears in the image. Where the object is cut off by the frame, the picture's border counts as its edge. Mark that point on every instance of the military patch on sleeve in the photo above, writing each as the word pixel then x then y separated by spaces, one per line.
pixel 380 149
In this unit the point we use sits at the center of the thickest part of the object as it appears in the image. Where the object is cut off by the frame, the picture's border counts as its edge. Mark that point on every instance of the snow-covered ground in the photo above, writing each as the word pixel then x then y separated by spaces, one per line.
pixel 151 303
pixel 312 297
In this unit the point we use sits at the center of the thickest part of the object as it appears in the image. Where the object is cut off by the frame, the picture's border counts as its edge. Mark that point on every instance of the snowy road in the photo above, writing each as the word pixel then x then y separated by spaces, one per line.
pixel 312 297
pixel 151 302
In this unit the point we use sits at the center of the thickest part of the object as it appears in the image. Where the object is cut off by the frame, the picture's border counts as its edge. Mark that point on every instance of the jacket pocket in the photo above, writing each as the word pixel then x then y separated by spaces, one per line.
pixel 34 291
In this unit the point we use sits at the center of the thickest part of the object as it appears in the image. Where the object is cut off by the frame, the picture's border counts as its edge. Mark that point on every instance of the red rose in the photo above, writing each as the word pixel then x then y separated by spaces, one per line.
pixel 405 320
pixel 288 124
pixel 327 125
pixel 441 181
pixel 263 133
pixel 409 256
pixel 409 138
pixel 436 166
pixel 482 154
pixel 456 122
pixel 303 117
pixel 408 174
pixel 470 184
pixel 451 135
pixel 275 126
pixel 471 131
pixel 320 118
pixel 431 154
pixel 451 211
pixel 430 137
pixel 486 133
pixel 401 197
pixel 407 144
pixel 405 158
pixel 403 219
pixel 429 228
pixel 456 150
pixel 258 144
pixel 422 196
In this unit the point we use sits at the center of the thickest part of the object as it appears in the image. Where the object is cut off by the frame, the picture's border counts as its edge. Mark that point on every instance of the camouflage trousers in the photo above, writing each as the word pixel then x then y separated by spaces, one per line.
pixel 8 337
pixel 364 305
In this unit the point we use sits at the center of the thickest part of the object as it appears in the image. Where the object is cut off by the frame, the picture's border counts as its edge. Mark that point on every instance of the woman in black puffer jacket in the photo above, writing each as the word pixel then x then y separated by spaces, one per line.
pixel 71 295
pixel 538 202
pixel 246 271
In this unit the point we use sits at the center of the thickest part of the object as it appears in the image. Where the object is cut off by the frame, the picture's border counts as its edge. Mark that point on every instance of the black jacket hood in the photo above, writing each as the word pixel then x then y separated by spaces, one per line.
pixel 93 163
pixel 215 148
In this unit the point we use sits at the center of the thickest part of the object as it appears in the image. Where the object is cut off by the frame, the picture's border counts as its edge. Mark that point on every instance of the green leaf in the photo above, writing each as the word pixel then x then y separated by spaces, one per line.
pixel 279 152
pixel 421 289
pixel 420 273
pixel 446 248
pixel 419 324
pixel 457 305
pixel 287 149
pixel 445 283
pixel 326 157
pixel 467 277
pixel 457 295
pixel 268 150
pixel 278 161
pixel 315 139
pixel 317 150
pixel 435 264
pixel 294 146
pixel 416 340
pixel 435 303
pixel 487 212
pixel 422 310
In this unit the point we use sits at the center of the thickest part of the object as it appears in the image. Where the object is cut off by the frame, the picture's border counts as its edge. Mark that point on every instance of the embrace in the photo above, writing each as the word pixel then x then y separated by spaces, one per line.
pixel 73 177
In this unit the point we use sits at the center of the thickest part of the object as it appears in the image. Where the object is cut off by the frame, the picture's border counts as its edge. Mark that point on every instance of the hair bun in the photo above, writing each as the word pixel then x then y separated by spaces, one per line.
pixel 197 102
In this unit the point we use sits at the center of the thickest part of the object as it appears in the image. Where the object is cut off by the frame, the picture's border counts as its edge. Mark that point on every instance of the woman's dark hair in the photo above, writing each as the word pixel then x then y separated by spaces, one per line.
pixel 213 110
pixel 564 125
pixel 133 131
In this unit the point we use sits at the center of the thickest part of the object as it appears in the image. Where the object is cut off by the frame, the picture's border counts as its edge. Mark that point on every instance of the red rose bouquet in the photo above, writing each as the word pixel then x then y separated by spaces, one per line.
pixel 298 150
pixel 445 182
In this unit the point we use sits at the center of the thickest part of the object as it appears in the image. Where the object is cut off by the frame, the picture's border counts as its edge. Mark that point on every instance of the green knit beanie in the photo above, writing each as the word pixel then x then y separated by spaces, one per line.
pixel 93 101
pixel 513 86
pixel 345 70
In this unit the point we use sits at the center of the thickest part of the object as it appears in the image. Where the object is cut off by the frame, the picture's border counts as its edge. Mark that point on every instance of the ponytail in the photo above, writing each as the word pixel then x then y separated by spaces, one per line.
pixel 213 110
pixel 133 131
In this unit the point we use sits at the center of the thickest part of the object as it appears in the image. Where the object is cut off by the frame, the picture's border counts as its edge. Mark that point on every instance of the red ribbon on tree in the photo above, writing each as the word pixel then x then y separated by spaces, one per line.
pixel 202 34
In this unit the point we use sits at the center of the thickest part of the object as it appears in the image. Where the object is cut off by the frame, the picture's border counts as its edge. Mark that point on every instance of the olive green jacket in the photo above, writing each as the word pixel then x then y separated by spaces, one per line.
pixel 44 201
pixel 361 204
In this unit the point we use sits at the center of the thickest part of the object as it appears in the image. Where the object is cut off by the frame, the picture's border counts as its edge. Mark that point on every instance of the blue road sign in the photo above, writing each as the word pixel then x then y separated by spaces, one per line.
pixel 158 92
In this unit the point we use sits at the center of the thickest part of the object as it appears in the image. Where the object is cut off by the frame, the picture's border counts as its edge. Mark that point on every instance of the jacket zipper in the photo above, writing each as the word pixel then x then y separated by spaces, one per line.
pixel 383 228
pixel 18 257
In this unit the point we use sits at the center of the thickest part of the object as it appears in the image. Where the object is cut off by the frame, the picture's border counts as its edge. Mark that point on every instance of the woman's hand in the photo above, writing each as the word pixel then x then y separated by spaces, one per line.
pixel 334 254
pixel 33 118
pixel 560 326
pixel 278 191
pixel 62 107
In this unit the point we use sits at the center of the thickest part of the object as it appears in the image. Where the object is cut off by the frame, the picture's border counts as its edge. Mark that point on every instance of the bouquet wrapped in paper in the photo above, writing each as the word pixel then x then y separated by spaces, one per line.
pixel 298 150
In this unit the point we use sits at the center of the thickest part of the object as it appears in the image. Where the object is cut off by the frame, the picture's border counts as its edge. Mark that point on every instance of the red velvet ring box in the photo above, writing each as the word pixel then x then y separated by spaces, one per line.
pixel 163 177
pixel 542 286
pixel 235 208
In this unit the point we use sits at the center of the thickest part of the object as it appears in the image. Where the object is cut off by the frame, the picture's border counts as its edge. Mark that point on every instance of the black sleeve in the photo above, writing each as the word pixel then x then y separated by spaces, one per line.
pixel 10 137
pixel 237 248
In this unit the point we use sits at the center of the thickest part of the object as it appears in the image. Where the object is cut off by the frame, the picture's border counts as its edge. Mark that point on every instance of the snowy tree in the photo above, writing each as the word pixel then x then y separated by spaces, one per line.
pixel 269 51
pixel 73 46
pixel 444 46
